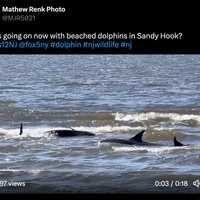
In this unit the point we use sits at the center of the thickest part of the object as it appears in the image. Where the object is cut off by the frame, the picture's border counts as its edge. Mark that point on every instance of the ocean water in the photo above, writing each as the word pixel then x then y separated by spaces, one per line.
pixel 113 96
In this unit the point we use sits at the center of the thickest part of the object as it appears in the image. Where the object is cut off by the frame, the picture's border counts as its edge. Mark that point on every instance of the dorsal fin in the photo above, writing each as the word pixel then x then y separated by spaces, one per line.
pixel 21 129
pixel 177 143
pixel 138 137
pixel 72 129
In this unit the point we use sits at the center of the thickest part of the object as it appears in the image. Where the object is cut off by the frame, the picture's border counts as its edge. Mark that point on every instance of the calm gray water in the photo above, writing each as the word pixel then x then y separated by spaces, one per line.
pixel 113 96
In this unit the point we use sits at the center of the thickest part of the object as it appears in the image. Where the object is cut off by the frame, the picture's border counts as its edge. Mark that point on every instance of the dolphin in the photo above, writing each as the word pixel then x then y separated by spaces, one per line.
pixel 137 140
pixel 69 133
pixel 177 143
pixel 21 129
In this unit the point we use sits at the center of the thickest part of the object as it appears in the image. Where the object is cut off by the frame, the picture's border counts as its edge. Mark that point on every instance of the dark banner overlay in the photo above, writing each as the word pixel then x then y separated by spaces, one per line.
pixel 59 27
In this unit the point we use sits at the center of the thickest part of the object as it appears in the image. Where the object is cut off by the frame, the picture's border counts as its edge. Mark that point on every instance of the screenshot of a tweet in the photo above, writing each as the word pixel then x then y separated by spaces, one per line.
pixel 95 99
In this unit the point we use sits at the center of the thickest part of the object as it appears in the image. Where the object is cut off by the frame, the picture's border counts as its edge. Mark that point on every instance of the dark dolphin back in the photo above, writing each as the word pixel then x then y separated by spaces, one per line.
pixel 70 133
pixel 138 137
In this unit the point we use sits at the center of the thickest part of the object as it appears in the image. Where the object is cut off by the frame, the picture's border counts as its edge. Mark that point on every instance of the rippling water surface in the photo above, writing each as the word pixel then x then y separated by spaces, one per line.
pixel 113 96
